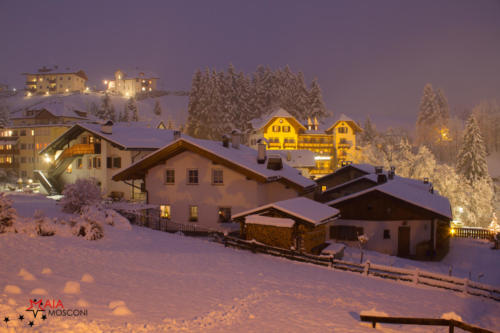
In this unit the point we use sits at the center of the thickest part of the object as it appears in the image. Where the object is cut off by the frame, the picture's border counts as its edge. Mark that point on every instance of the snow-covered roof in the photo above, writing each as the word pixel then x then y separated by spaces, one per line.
pixel 242 157
pixel 365 168
pixel 57 70
pixel 355 126
pixel 306 209
pixel 300 158
pixel 126 135
pixel 57 107
pixel 257 124
pixel 408 192
pixel 138 73
pixel 333 248
pixel 272 221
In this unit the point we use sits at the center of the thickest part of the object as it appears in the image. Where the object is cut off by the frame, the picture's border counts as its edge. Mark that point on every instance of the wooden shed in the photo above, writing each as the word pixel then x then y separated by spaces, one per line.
pixel 298 223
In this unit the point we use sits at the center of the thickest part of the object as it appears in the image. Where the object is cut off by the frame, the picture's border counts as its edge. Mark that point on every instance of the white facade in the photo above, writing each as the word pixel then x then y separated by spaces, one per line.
pixel 237 191
pixel 375 230
pixel 55 81
pixel 96 166
pixel 130 83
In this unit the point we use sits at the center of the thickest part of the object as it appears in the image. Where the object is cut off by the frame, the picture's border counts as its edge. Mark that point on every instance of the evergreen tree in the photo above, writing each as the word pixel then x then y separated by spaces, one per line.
pixel 317 107
pixel 157 109
pixel 443 107
pixel 428 117
pixel 369 132
pixel 4 115
pixel 131 108
pixel 471 160
pixel 93 109
pixel 107 110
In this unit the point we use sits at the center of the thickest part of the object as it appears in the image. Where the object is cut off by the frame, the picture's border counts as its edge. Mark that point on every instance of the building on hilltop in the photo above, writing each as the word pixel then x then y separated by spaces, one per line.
pixel 55 80
pixel 333 146
pixel 203 183
pixel 32 129
pixel 98 151
pixel 131 82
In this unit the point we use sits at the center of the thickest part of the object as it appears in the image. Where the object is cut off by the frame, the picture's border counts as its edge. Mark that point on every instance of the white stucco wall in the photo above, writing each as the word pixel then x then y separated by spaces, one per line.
pixel 237 192
pixel 103 174
pixel 419 232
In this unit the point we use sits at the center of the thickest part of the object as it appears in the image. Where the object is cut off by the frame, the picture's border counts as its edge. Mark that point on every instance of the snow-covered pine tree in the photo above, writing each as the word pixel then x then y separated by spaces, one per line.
pixel 428 117
pixel 132 109
pixel 4 115
pixel 157 108
pixel 369 132
pixel 107 110
pixel 471 160
pixel 443 107
pixel 94 109
pixel 317 107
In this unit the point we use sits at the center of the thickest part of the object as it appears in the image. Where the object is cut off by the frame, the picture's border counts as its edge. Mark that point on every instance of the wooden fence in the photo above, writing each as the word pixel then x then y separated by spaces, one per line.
pixel 451 323
pixel 479 233
pixel 430 279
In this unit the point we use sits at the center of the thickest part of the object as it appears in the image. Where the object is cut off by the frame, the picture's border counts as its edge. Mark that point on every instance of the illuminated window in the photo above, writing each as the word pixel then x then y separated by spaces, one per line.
pixel 286 129
pixel 8 159
pixel 323 188
pixel 276 128
pixel 2 160
pixel 91 139
pixel 192 176
pixel 193 213
pixel 165 211
pixel 343 130
pixel 224 214
pixel 69 169
pixel 217 177
pixel 79 163
pixel 8 147
pixel 170 176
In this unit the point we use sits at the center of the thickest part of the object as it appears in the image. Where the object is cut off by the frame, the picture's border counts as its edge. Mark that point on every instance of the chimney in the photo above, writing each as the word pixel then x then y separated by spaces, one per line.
pixel 309 123
pixel 225 141
pixel 107 127
pixel 261 151
pixel 177 135
pixel 378 169
pixel 431 190
pixel 426 180
pixel 392 172
pixel 315 123
pixel 275 162
pixel 381 178
pixel 235 138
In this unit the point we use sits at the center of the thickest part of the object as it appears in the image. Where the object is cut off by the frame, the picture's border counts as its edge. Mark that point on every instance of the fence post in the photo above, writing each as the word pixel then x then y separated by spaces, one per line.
pixel 415 276
pixel 331 261
pixel 367 267
pixel 466 286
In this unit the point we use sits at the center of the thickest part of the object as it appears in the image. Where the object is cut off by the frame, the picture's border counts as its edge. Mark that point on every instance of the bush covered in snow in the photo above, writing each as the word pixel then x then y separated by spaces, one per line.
pixel 83 192
pixel 87 228
pixel 7 213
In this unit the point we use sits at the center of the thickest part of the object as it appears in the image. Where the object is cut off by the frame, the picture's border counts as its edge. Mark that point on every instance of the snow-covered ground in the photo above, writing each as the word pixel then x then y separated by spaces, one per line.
pixel 149 281
pixel 174 108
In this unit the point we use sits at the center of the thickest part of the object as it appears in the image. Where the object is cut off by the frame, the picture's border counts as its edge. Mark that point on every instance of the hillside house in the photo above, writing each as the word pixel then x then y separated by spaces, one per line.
pixel 55 80
pixel 297 223
pixel 205 182
pixel 400 217
pixel 98 151
pixel 128 83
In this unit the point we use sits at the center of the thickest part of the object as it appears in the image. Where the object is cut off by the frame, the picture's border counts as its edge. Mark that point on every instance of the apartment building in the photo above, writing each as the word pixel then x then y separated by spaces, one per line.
pixel 55 80
pixel 131 82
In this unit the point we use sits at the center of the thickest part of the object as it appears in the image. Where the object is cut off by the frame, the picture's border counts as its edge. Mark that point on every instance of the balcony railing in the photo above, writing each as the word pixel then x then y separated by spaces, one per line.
pixel 52 81
pixel 78 149
pixel 275 144
pixel 289 145
pixel 52 89
pixel 31 83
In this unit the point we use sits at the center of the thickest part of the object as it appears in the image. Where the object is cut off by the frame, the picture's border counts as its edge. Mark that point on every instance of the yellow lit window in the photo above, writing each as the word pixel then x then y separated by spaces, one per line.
pixel 8 147
pixel 323 188
pixel 193 213
pixel 69 169
pixel 276 128
pixel 2 160
pixel 165 211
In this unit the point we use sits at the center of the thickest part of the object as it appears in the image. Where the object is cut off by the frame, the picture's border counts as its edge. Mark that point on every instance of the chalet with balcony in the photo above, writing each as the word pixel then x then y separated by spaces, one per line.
pixel 204 183
pixel 332 146
pixel 98 151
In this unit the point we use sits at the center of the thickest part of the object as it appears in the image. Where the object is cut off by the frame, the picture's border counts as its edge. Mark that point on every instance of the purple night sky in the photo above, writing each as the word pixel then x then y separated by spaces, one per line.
pixel 370 57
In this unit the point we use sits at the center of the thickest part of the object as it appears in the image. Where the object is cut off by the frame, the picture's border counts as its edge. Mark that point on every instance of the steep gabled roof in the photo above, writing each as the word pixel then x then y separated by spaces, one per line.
pixel 242 159
pixel 344 118
pixel 400 189
pixel 277 113
pixel 128 136
pixel 303 208
pixel 57 107
pixel 363 167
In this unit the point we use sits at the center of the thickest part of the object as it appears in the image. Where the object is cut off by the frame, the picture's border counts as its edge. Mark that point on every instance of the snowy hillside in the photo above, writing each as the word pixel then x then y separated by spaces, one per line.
pixel 174 108
pixel 149 281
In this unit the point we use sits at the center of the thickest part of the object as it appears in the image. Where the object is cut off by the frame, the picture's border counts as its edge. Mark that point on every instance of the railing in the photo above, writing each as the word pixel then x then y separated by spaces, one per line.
pixel 78 149
pixel 30 83
pixel 387 272
pixel 451 323
pixel 480 233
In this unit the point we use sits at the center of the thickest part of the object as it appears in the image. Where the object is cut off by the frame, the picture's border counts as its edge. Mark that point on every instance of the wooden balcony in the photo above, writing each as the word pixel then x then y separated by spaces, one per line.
pixel 78 149
pixel 274 145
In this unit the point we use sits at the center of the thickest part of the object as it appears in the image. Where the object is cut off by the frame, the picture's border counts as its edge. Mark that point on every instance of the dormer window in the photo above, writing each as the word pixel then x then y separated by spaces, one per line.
pixel 343 130
pixel 276 128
